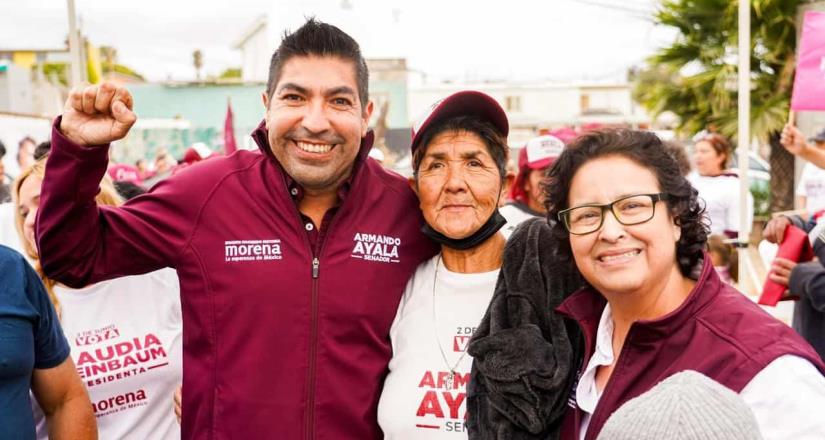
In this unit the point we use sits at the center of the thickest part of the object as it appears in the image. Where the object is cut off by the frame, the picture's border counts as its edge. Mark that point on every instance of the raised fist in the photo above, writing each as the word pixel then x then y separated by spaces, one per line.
pixel 97 114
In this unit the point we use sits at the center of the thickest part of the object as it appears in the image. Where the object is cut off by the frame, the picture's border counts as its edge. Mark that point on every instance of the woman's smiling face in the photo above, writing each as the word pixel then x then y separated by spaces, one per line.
pixel 620 259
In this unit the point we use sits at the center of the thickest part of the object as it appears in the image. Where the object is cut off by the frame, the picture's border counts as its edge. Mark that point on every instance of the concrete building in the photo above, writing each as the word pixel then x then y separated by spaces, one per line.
pixel 256 51
pixel 532 107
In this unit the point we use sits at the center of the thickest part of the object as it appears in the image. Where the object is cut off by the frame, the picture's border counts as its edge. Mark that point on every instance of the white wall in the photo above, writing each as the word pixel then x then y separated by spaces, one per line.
pixel 610 98
pixel 542 105
pixel 255 56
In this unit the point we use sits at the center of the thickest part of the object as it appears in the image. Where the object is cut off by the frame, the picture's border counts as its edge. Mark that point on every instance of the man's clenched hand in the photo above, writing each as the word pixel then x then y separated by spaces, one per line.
pixel 97 114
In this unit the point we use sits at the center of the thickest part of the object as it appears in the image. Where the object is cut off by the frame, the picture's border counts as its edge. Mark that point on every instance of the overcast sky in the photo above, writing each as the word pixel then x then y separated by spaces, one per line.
pixel 564 40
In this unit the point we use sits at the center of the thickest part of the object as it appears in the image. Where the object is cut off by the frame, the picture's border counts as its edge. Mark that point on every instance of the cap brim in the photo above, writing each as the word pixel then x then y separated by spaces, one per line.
pixel 467 103
pixel 541 164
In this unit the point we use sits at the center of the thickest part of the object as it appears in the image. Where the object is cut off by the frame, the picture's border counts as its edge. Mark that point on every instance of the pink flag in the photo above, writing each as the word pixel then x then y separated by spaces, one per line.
pixel 809 85
pixel 229 145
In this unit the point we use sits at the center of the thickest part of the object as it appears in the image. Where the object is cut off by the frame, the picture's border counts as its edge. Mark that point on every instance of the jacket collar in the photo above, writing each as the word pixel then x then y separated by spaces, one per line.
pixel 261 137
pixel 586 306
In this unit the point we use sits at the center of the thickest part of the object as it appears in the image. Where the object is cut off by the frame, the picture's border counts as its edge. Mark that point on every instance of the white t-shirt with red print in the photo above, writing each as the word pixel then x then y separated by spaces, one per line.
pixel 416 402
pixel 126 342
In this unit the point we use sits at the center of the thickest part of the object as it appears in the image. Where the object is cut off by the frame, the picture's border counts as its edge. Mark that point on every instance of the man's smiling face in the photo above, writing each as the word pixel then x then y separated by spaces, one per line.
pixel 315 120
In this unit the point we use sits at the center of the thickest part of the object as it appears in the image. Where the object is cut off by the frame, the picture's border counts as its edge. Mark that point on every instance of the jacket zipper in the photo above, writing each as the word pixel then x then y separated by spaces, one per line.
pixel 309 428
pixel 313 336
pixel 313 343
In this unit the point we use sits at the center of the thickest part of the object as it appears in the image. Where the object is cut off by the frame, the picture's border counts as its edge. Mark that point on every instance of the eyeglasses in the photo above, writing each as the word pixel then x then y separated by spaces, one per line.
pixel 630 210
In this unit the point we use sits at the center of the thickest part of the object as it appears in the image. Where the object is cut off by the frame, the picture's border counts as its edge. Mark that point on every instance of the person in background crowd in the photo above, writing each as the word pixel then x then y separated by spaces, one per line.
pixel 122 172
pixel 35 356
pixel 25 152
pixel 526 193
pixel 677 150
pixel 810 191
pixel 685 406
pixel 124 333
pixel 291 260
pixel 718 189
pixel 128 190
pixel 42 150
pixel 459 155
pixel 720 192
pixel 164 162
pixel 5 180
pixel 653 305
pixel 198 152
pixel 8 236
pixel 804 280
pixel 143 169
pixel 725 259
pixel 793 141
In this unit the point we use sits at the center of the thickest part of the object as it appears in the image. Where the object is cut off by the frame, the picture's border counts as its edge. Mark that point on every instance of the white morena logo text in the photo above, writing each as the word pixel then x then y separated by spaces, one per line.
pixel 252 250
pixel 376 247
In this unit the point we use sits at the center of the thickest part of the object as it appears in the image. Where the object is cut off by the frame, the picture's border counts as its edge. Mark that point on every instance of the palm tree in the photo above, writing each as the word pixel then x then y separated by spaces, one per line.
pixel 695 77
pixel 197 61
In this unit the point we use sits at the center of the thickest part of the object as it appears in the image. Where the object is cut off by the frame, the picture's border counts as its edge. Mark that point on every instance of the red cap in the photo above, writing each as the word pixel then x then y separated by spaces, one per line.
pixel 540 152
pixel 466 103
pixel 196 153
pixel 122 172
pixel 537 154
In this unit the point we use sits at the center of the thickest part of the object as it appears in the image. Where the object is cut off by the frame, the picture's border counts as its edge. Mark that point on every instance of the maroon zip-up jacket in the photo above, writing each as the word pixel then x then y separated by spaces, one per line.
pixel 717 331
pixel 286 333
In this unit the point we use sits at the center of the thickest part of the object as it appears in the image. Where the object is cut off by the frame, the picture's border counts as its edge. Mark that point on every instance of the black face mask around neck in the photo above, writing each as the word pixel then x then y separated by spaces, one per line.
pixel 493 224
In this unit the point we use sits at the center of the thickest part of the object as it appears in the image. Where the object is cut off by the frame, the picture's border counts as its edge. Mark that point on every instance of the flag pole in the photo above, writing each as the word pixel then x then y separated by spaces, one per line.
pixel 744 130
pixel 74 47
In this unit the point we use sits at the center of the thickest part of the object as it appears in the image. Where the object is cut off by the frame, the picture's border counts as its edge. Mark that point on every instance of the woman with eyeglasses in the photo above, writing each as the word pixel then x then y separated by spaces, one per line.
pixel 653 305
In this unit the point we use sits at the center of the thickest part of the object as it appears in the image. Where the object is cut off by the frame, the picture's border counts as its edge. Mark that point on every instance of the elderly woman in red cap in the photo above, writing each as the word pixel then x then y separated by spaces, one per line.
pixel 459 161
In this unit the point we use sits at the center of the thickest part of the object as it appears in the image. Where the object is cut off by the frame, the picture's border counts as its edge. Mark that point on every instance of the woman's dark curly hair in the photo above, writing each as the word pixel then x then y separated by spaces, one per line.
pixel 647 150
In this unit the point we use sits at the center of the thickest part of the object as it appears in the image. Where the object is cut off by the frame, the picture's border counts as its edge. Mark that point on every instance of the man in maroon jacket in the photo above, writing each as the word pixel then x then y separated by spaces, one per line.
pixel 292 260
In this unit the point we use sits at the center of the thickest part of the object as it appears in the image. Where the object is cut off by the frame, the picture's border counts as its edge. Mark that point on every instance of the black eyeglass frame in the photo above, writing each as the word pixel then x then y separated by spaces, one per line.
pixel 564 217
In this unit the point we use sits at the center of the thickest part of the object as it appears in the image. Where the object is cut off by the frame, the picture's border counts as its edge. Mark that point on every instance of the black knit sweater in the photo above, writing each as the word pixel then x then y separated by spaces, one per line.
pixel 525 355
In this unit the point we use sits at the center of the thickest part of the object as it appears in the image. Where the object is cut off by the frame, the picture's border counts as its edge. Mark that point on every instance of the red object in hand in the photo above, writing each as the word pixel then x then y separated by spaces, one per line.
pixel 795 247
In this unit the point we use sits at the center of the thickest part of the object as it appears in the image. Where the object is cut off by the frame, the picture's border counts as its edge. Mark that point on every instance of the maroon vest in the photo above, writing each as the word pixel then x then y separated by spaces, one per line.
pixel 717 331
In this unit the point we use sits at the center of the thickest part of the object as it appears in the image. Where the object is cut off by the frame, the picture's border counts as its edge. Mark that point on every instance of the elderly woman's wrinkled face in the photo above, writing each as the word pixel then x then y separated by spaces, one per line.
pixel 458 184
pixel 618 259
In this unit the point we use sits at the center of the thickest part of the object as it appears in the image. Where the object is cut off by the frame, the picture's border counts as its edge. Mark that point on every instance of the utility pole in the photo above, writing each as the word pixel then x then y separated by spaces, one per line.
pixel 74 47
pixel 744 130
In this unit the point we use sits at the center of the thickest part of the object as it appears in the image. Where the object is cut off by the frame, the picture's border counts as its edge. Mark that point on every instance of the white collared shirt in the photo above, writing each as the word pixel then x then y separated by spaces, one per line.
pixel 786 397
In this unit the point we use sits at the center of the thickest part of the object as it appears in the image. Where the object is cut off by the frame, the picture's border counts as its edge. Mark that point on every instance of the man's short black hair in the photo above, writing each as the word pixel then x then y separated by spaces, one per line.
pixel 316 38
pixel 2 149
